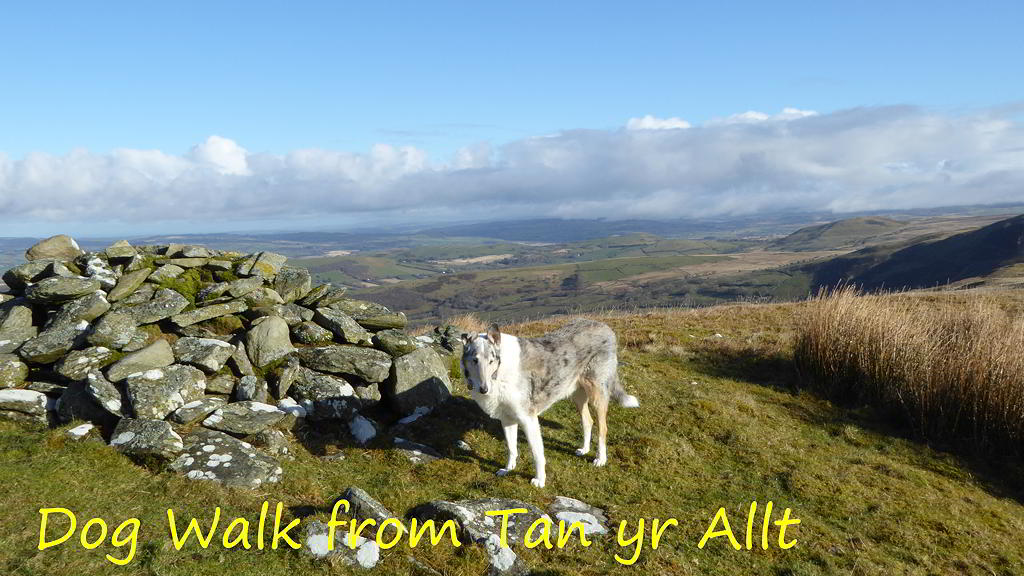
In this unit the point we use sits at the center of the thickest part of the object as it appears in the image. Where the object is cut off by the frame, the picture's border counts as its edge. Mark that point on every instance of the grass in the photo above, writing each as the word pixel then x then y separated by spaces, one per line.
pixel 949 366
pixel 722 422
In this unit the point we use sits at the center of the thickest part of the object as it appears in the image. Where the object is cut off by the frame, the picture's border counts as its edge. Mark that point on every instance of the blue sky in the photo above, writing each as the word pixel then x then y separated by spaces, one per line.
pixel 441 77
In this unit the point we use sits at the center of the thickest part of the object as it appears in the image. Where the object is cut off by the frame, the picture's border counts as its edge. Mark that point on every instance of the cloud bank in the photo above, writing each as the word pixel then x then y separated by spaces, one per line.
pixel 851 160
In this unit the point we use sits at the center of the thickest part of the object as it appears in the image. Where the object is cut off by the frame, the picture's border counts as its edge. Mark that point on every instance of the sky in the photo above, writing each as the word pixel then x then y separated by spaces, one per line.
pixel 138 117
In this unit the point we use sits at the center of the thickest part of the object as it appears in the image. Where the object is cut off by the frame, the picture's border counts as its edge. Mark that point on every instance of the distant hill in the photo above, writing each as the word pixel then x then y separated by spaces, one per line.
pixel 835 235
pixel 929 261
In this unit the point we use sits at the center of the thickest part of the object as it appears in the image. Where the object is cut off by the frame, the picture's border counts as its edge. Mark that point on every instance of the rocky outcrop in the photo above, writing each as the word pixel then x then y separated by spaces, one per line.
pixel 203 360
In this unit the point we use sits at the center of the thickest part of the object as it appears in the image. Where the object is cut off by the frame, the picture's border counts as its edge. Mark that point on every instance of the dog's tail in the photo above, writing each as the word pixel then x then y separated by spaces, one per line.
pixel 625 400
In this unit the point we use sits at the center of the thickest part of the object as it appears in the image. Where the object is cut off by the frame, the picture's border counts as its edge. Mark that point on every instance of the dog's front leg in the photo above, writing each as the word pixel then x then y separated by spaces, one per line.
pixel 512 440
pixel 532 429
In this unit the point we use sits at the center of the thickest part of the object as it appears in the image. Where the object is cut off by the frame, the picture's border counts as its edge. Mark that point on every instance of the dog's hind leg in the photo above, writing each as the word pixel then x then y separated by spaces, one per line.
pixel 600 402
pixel 532 428
pixel 512 440
pixel 580 397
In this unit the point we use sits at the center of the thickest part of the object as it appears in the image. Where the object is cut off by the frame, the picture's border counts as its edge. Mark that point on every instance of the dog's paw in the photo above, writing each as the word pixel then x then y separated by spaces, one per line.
pixel 582 452
pixel 600 461
pixel 538 482
pixel 503 471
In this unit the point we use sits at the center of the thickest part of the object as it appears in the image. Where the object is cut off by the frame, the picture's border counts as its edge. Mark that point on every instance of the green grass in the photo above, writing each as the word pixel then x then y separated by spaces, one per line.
pixel 720 425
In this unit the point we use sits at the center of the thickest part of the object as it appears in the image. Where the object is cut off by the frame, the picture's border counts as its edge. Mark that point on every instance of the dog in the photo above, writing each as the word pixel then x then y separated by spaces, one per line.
pixel 516 379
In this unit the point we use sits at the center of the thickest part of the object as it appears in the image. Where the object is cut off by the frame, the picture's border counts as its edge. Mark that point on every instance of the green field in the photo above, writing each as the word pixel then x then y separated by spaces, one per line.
pixel 722 423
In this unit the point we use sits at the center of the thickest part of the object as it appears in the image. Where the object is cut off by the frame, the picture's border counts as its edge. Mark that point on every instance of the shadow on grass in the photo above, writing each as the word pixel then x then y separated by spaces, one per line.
pixel 1000 474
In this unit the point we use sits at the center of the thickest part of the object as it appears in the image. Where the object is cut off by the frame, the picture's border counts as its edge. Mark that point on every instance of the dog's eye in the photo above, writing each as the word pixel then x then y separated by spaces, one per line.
pixel 475 361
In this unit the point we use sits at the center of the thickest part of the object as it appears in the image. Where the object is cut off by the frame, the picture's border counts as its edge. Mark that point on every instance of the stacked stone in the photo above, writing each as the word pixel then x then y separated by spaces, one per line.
pixel 192 358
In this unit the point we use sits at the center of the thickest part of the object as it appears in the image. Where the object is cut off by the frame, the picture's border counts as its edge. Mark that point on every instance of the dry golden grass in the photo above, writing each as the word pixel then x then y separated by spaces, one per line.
pixel 949 364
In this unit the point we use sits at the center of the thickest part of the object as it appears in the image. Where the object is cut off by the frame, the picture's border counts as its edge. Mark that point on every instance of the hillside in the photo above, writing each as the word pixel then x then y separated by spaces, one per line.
pixel 720 425
pixel 931 261
pixel 840 234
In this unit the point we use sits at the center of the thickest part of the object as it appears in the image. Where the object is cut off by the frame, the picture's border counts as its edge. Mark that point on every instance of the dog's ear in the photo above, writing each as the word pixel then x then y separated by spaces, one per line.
pixel 494 334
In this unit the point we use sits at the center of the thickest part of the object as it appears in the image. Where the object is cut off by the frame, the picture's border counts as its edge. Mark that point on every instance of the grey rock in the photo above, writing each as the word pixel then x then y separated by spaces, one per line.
pixel 156 355
pixel 218 457
pixel 243 286
pixel 363 506
pixel 219 265
pixel 60 289
pixel 146 441
pixel 209 312
pixel 87 308
pixel 144 294
pixel 334 294
pixel 268 341
pixel 365 554
pixel 15 314
pixel 362 429
pixel 365 363
pixel 157 392
pixel 419 378
pixel 474 525
pixel 12 371
pixel 53 343
pixel 113 330
pixel 34 271
pixel 395 342
pixel 120 251
pixel 571 510
pixel 12 339
pixel 368 394
pixel 273 442
pixel 82 432
pixel 251 388
pixel 165 303
pixel 293 283
pixel 195 252
pixel 196 410
pixel 266 264
pixel 26 401
pixel 128 284
pixel 282 377
pixel 166 272
pixel 342 326
pixel 315 294
pixel 240 359
pixel 97 268
pixel 211 292
pixel 25 419
pixel 246 417
pixel 370 314
pixel 263 298
pixel 105 394
pixel 61 246
pixel 311 333
pixel 51 389
pixel 207 354
pixel 221 384
pixel 324 396
pixel 77 364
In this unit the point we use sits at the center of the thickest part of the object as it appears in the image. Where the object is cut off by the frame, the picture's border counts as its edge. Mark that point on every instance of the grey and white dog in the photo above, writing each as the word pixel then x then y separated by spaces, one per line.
pixel 516 379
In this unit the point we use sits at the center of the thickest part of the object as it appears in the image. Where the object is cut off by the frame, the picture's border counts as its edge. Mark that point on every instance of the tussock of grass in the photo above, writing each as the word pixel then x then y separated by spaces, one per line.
pixel 950 366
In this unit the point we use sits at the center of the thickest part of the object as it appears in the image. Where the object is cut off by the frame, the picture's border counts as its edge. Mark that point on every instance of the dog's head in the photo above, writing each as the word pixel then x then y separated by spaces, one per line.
pixel 481 357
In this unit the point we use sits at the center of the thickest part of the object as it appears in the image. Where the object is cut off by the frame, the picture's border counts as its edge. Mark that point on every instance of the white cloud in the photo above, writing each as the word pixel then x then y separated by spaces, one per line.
pixel 649 122
pixel 858 159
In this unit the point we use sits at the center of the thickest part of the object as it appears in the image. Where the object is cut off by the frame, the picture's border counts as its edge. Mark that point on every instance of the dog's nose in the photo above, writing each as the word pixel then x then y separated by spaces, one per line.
pixel 483 388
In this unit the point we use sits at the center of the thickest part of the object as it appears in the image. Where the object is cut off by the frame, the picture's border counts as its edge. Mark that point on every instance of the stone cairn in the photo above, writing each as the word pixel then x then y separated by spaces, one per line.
pixel 201 360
